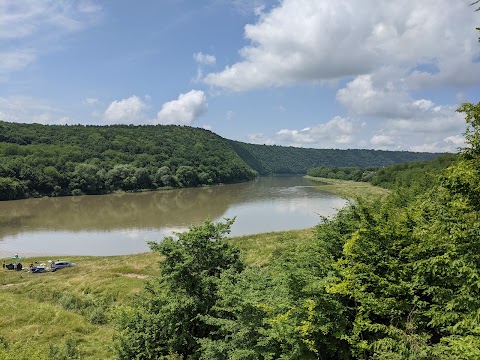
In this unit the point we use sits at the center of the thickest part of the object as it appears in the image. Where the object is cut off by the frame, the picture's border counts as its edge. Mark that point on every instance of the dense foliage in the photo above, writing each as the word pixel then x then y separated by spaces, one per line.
pixel 410 178
pixel 398 280
pixel 343 173
pixel 418 174
pixel 272 159
pixel 412 269
pixel 70 160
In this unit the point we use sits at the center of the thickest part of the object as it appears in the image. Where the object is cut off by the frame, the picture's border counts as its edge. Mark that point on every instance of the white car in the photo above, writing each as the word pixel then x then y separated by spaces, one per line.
pixel 62 264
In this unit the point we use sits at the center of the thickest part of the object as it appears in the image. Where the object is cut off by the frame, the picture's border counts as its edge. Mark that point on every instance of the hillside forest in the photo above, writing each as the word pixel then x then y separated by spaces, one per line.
pixel 398 279
pixel 56 160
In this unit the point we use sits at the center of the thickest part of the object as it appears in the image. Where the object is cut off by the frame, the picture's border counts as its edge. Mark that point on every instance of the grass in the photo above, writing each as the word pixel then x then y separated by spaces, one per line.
pixel 42 313
pixel 352 189
pixel 258 249
pixel 67 314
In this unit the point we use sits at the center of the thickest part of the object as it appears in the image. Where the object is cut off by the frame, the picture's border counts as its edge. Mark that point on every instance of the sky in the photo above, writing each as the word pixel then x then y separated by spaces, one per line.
pixel 343 74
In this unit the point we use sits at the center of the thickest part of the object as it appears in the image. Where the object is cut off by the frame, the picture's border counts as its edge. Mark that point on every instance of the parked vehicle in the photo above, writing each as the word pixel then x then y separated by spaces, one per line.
pixel 37 269
pixel 60 264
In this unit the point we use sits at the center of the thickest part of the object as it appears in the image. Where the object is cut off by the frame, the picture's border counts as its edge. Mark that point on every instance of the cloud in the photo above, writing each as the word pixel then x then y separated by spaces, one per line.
pixel 185 110
pixel 445 145
pixel 204 59
pixel 126 111
pixel 16 60
pixel 362 97
pixel 259 138
pixel 457 140
pixel 439 119
pixel 29 28
pixel 336 133
pixel 23 109
pixel 382 140
pixel 305 41
pixel 23 18
pixel 89 7
pixel 404 120
pixel 247 7
pixel 449 144
pixel 91 101
pixel 331 134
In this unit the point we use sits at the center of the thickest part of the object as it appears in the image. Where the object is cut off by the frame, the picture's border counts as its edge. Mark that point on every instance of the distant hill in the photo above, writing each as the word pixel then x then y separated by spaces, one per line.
pixel 56 160
pixel 59 160
pixel 272 159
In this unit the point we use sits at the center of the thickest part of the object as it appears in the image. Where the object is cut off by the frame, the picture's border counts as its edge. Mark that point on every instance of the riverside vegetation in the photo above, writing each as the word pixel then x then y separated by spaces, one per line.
pixel 391 279
pixel 55 160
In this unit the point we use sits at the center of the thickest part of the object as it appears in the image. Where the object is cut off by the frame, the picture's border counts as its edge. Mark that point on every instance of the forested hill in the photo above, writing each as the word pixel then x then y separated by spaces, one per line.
pixel 57 160
pixel 272 159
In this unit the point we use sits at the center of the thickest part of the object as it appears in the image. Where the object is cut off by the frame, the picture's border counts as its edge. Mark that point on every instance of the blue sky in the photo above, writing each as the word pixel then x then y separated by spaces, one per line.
pixel 308 73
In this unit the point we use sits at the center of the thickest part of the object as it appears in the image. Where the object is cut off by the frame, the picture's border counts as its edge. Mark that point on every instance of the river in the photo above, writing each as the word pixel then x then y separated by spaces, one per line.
pixel 122 223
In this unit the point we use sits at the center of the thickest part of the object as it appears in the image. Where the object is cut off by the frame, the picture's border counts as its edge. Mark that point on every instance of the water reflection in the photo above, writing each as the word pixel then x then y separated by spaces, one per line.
pixel 121 223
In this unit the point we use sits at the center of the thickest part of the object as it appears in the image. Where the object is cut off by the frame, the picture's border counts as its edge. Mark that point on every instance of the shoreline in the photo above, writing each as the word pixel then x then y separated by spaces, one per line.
pixel 351 190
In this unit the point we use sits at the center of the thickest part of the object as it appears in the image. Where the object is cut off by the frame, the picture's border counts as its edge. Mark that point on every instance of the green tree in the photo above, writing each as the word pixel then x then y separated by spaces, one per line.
pixel 10 189
pixel 167 319
pixel 186 176
pixel 163 177
pixel 412 269
pixel 279 312
pixel 87 179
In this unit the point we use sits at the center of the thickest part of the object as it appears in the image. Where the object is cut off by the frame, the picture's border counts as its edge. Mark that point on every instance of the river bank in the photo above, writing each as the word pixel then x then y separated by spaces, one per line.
pixel 351 189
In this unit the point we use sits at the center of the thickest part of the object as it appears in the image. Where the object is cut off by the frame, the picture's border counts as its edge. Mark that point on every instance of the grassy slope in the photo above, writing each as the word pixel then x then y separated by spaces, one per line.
pixel 351 189
pixel 41 310
pixel 48 308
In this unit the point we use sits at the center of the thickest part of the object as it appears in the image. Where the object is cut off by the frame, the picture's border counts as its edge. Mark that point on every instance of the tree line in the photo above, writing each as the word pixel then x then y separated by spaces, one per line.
pixel 61 160
pixel 413 177
pixel 39 160
pixel 273 159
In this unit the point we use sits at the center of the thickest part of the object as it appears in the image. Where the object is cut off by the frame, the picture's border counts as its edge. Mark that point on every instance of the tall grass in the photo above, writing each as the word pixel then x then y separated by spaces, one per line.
pixel 67 314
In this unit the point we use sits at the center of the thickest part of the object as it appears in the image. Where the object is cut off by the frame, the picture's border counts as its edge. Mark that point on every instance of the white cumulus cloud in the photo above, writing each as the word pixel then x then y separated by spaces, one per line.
pixel 405 121
pixel 338 132
pixel 315 40
pixel 381 140
pixel 126 111
pixel 185 110
pixel 362 97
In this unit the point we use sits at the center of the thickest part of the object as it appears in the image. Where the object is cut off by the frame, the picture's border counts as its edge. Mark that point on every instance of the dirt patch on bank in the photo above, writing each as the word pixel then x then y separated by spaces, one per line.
pixel 136 276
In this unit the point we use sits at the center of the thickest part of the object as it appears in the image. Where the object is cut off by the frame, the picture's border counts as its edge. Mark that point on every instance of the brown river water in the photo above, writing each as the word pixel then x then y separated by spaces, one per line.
pixel 122 223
